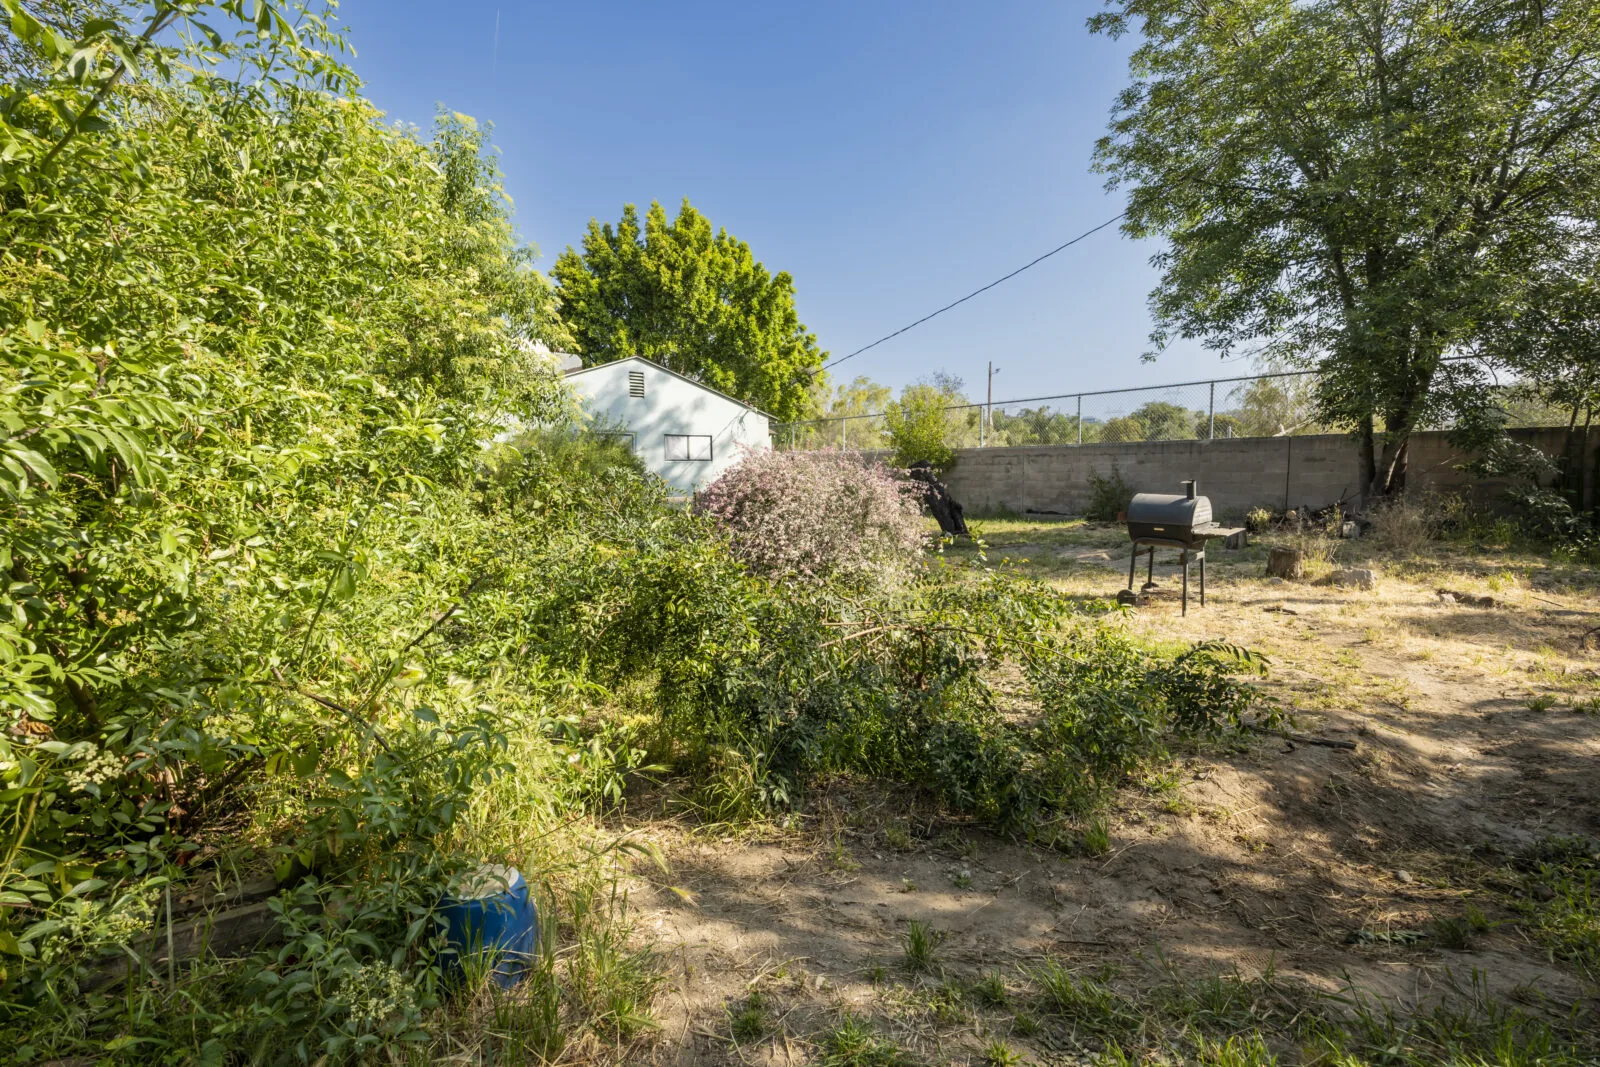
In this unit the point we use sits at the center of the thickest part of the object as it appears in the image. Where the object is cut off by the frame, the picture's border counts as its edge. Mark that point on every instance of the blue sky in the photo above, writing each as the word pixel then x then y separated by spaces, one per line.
pixel 891 156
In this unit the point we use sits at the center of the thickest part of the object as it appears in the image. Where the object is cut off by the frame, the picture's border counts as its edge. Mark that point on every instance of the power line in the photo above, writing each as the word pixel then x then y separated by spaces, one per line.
pixel 976 292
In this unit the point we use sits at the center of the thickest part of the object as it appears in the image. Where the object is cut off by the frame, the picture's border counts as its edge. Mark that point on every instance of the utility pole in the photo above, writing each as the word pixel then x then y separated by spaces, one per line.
pixel 986 431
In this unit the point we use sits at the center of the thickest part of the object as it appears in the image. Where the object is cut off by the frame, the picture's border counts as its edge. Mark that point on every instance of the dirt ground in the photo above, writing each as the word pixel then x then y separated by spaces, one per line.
pixel 1316 865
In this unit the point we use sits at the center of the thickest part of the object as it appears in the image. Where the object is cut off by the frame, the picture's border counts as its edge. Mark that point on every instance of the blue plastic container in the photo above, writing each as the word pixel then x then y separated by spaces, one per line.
pixel 489 910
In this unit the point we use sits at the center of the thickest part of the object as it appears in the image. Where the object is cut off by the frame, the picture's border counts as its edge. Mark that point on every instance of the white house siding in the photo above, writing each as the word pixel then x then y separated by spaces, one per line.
pixel 671 405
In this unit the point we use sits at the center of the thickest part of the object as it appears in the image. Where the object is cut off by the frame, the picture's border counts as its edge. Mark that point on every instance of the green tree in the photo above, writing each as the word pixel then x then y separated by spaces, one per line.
pixel 1366 180
pixel 253 339
pixel 1270 407
pixel 1035 426
pixel 859 401
pixel 692 300
pixel 1551 340
pixel 928 422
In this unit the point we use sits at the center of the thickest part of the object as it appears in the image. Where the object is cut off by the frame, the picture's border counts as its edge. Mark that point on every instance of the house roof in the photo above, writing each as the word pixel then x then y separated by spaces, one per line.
pixel 675 374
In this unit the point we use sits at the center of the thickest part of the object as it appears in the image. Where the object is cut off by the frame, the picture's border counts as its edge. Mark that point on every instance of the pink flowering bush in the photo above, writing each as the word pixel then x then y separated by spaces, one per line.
pixel 818 515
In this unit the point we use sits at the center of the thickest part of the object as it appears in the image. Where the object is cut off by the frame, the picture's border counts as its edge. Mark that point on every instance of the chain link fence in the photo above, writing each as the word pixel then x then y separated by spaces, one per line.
pixel 1264 405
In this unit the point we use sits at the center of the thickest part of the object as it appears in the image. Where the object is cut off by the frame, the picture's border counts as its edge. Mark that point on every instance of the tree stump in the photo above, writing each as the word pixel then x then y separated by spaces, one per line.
pixel 1286 563
pixel 938 500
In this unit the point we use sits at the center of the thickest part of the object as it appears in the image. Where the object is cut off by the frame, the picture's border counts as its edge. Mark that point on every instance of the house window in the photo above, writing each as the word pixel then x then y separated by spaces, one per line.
pixel 688 446
pixel 636 383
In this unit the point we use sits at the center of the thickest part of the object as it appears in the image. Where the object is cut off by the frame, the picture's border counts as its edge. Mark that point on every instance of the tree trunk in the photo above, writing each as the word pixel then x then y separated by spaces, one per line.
pixel 1585 468
pixel 1389 476
pixel 1391 469
pixel 1369 459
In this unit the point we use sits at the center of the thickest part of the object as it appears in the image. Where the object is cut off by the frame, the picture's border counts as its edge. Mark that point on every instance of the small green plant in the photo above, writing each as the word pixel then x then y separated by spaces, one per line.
pixel 1237 1051
pixel 853 1043
pixel 897 838
pixel 990 990
pixel 1082 1001
pixel 948 1003
pixel 962 879
pixel 1561 879
pixel 1477 921
pixel 1096 837
pixel 750 1023
pixel 999 1054
pixel 1025 1023
pixel 921 944
pixel 1453 933
pixel 1108 496
pixel 1590 707
pixel 1542 702
pixel 1258 520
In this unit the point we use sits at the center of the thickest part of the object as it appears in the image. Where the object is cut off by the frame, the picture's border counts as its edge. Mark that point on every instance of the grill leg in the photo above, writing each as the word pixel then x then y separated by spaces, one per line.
pixel 1185 562
pixel 1133 561
pixel 1150 573
pixel 1202 579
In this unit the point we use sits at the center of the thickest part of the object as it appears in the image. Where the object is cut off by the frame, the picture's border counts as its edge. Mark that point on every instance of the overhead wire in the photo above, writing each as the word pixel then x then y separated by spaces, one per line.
pixel 976 292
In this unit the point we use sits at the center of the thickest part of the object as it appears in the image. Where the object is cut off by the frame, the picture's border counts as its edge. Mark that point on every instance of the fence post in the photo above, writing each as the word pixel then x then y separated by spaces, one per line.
pixel 1080 419
pixel 1211 414
pixel 844 440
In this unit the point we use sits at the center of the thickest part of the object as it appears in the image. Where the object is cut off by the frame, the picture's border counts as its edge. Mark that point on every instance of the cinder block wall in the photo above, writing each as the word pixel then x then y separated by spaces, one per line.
pixel 1236 474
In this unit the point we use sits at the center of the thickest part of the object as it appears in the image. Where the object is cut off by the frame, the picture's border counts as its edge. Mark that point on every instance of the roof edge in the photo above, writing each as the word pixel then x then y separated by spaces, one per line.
pixel 675 374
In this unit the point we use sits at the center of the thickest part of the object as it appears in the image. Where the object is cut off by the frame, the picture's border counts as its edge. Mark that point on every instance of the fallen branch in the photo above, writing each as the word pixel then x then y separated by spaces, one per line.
pixel 1325 742
pixel 1299 738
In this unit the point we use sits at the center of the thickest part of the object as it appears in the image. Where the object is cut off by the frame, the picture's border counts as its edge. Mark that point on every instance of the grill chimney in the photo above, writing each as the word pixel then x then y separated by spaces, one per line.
pixel 1188 489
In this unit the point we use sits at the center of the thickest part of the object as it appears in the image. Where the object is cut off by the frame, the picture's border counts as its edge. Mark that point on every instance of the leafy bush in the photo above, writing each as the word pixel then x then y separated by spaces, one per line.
pixel 817 515
pixel 263 604
pixel 919 425
pixel 1108 496
pixel 1111 708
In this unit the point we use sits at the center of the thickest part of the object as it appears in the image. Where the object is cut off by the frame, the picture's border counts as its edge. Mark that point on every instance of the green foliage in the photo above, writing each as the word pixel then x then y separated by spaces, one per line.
pixel 261 588
pixel 1562 904
pixel 1084 1003
pixel 1158 420
pixel 1037 426
pixel 853 1043
pixel 921 944
pixel 1109 495
pixel 999 1054
pixel 921 426
pixel 750 1022
pixel 1408 168
pixel 1107 712
pixel 1096 837
pixel 696 302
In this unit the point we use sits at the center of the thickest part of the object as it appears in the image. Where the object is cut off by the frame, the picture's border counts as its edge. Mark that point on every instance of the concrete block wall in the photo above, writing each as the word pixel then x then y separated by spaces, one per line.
pixel 1237 475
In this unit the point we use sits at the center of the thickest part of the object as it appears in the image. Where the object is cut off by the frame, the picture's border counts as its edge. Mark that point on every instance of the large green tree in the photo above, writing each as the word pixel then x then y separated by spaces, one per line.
pixel 252 340
pixel 693 300
pixel 1368 181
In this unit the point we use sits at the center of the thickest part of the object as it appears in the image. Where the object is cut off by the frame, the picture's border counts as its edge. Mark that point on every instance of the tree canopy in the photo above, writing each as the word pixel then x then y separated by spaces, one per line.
pixel 252 341
pixel 694 301
pixel 1367 181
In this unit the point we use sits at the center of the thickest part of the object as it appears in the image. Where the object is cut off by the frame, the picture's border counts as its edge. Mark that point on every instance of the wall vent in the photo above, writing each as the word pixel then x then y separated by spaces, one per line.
pixel 636 383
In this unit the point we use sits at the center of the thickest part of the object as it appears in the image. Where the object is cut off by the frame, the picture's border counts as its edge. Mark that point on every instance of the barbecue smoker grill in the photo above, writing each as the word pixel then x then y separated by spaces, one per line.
pixel 1162 520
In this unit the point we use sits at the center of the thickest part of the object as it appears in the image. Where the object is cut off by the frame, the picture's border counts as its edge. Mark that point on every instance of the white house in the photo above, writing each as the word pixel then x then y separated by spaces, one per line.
pixel 685 432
